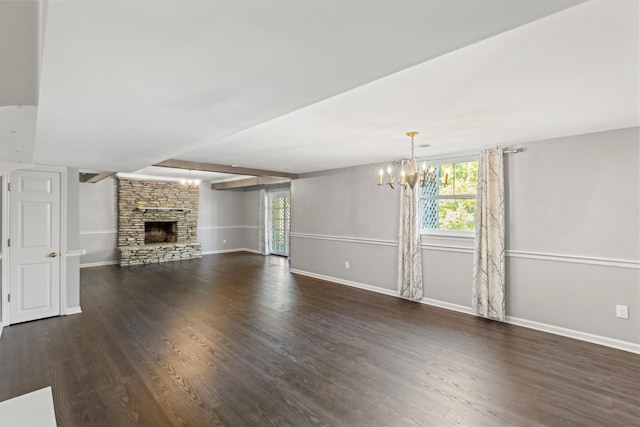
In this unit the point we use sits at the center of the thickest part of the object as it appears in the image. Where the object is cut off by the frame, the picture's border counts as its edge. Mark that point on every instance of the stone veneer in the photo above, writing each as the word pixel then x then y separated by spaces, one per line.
pixel 140 201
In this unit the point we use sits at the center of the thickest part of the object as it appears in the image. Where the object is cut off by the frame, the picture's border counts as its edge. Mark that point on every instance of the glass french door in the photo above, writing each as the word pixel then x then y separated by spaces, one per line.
pixel 279 223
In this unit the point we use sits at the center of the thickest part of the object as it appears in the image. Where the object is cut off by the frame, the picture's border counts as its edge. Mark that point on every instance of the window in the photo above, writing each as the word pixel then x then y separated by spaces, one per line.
pixel 448 200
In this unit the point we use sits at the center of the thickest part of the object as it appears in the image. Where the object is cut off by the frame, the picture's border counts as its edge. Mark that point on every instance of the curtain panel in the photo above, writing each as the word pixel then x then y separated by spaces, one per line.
pixel 409 253
pixel 263 237
pixel 489 264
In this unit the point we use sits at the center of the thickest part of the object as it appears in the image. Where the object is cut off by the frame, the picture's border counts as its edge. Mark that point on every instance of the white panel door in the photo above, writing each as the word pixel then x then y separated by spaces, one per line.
pixel 34 222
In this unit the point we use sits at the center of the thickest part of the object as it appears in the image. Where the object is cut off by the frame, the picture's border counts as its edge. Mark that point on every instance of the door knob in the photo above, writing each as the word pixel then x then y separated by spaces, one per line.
pixel 53 254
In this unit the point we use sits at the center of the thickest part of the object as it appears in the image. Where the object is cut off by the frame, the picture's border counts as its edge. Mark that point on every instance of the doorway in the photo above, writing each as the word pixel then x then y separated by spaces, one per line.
pixel 279 211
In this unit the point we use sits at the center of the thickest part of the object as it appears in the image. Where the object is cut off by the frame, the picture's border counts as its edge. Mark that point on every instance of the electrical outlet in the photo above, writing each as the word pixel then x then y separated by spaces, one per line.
pixel 224 241
pixel 622 311
pixel 346 265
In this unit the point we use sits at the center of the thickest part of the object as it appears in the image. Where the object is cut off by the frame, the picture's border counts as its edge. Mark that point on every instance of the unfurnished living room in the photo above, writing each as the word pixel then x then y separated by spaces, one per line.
pixel 332 213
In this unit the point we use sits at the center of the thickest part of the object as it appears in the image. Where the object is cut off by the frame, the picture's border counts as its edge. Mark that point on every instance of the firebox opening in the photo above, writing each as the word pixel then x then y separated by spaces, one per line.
pixel 160 232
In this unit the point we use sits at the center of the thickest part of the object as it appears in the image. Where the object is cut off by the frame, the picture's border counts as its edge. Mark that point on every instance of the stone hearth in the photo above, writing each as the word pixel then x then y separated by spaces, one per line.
pixel 158 202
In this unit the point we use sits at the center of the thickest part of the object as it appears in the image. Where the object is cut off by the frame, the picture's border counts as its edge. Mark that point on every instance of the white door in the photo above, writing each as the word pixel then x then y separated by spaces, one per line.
pixel 34 224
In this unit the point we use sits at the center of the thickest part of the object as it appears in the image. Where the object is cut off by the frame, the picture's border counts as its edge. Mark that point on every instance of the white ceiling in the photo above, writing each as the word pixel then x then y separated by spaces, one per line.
pixel 305 85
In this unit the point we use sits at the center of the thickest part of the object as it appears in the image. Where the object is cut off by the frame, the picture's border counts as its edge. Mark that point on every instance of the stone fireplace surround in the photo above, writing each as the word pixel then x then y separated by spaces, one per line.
pixel 141 201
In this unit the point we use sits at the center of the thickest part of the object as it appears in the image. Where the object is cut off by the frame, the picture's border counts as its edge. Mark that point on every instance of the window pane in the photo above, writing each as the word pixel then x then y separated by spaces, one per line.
pixel 457 214
pixel 452 179
pixel 466 178
pixel 446 179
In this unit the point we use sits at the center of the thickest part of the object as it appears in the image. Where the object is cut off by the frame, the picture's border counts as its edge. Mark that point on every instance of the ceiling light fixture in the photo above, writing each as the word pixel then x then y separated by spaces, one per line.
pixel 190 180
pixel 409 173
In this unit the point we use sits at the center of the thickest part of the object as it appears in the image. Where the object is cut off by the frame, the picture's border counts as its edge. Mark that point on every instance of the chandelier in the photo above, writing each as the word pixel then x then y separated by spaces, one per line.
pixel 190 181
pixel 409 172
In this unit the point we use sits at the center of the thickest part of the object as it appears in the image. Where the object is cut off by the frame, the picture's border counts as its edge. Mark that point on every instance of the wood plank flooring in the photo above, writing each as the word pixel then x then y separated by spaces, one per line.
pixel 236 340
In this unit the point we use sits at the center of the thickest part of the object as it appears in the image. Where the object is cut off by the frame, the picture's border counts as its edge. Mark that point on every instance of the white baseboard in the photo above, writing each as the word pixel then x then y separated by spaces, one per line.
pixel 254 251
pixel 345 282
pixel 556 330
pixel 1 327
pixel 449 306
pixel 226 251
pixel 72 310
pixel 578 335
pixel 98 264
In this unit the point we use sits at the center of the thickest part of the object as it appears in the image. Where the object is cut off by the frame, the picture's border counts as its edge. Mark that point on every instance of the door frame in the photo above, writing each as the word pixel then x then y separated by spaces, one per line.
pixel 270 196
pixel 6 226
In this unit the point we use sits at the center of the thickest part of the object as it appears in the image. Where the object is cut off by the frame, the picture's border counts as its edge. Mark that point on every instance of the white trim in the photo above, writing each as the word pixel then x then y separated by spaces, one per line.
pixel 345 239
pixel 98 264
pixel 571 333
pixel 4 278
pixel 98 232
pixel 253 251
pixel 577 259
pixel 351 283
pixel 1 328
pixel 447 305
pixel 63 236
pixel 77 252
pixel 446 248
pixel 72 310
pixel 224 251
pixel 226 227
pixel 447 234
pixel 530 324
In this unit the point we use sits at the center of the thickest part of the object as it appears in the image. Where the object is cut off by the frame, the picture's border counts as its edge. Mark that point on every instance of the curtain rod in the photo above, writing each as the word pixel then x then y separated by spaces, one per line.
pixel 512 150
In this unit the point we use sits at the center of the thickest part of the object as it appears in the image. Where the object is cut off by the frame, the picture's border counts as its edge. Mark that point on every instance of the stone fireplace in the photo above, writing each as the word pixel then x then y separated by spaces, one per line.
pixel 160 232
pixel 157 222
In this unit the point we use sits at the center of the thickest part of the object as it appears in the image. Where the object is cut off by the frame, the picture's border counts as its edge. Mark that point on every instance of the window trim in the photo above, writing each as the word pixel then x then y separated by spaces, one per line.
pixel 465 234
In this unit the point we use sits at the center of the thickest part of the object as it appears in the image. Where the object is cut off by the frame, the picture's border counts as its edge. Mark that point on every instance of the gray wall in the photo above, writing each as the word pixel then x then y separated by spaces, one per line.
pixel 222 215
pixel 2 222
pixel 228 215
pixel 572 237
pixel 73 239
pixel 98 221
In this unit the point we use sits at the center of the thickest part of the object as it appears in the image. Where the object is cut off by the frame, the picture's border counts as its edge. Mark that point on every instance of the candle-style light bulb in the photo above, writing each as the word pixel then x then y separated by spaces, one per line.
pixel 381 175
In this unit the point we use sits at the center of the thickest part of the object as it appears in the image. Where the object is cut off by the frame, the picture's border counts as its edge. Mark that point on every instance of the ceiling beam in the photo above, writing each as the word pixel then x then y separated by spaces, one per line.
pixel 247 182
pixel 210 167
pixel 92 178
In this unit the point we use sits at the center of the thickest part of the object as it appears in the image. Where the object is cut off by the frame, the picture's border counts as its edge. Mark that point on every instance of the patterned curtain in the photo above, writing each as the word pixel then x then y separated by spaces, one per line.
pixel 488 268
pixel 409 254
pixel 263 238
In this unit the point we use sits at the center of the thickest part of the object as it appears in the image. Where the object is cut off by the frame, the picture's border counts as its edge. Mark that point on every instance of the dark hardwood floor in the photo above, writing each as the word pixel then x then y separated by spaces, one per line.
pixel 236 340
